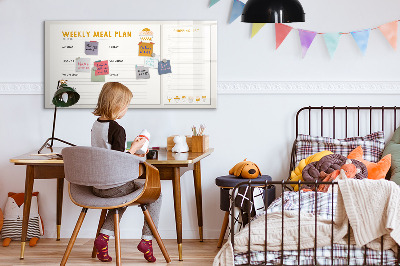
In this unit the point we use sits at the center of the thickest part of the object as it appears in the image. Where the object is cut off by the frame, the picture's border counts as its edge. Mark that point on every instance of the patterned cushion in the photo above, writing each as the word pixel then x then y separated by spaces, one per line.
pixel 372 144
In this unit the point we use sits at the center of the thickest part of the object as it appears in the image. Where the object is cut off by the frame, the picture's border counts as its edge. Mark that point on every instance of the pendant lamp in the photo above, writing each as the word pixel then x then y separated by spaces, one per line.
pixel 65 96
pixel 273 11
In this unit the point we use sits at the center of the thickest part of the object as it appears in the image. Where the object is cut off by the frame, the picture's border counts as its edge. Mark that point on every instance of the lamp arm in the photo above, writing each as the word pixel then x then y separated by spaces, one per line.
pixel 54 126
pixel 46 143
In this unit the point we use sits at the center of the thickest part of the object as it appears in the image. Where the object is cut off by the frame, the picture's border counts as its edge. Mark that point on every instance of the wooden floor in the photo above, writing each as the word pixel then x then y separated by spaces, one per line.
pixel 50 252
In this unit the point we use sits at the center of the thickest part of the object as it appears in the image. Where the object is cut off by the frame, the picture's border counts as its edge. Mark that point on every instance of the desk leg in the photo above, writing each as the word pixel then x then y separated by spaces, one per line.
pixel 27 206
pixel 176 182
pixel 60 190
pixel 199 204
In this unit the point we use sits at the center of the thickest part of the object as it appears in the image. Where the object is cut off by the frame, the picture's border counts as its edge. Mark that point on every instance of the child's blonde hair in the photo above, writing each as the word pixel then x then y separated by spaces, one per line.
pixel 113 97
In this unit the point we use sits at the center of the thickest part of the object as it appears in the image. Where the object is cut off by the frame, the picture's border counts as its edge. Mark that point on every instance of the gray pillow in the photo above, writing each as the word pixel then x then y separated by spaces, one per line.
pixel 393 148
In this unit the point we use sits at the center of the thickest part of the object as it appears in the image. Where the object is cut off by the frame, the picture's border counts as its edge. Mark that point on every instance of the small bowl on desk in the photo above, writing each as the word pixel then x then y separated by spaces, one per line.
pixel 152 155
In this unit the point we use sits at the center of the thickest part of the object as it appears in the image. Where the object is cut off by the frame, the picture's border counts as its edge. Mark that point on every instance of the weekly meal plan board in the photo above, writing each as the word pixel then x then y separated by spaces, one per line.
pixel 166 64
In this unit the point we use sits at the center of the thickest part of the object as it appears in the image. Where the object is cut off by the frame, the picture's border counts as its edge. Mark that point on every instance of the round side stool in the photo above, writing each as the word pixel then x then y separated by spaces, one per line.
pixel 226 183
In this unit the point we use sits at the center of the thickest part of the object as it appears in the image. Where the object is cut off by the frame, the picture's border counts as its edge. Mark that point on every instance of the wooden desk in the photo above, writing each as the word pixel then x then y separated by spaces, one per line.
pixel 171 167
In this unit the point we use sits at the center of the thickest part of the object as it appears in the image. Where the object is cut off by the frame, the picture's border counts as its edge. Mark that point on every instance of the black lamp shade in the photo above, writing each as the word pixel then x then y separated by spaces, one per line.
pixel 273 11
pixel 65 96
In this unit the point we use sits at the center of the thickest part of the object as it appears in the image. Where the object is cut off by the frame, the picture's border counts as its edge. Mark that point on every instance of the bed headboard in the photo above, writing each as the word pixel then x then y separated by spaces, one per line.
pixel 344 121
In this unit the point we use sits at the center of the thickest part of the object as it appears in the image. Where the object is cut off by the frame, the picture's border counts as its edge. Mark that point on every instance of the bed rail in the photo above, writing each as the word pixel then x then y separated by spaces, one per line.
pixel 353 120
pixel 265 185
pixel 336 122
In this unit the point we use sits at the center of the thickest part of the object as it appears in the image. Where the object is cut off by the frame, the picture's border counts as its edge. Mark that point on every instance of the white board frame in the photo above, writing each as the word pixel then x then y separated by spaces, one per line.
pixel 50 88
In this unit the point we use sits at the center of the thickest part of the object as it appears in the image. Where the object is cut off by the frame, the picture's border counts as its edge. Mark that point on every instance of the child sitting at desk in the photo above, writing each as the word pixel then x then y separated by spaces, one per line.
pixel 106 133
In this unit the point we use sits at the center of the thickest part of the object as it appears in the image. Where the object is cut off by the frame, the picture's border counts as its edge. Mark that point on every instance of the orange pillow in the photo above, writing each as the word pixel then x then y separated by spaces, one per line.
pixel 375 170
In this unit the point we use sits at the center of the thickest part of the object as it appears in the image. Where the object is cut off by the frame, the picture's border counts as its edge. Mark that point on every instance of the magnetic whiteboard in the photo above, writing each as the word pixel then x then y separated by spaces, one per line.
pixel 166 64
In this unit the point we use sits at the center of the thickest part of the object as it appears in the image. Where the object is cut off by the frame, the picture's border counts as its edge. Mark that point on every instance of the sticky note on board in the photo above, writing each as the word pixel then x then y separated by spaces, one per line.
pixel 82 65
pixel 142 72
pixel 146 48
pixel 151 62
pixel 102 67
pixel 95 78
pixel 91 48
pixel 164 68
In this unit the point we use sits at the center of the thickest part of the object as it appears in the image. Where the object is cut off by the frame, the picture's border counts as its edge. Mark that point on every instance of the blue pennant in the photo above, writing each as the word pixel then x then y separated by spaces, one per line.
pixel 237 9
pixel 361 38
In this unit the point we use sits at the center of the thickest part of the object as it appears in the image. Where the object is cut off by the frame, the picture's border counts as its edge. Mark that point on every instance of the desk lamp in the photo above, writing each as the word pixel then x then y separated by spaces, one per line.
pixel 273 11
pixel 64 97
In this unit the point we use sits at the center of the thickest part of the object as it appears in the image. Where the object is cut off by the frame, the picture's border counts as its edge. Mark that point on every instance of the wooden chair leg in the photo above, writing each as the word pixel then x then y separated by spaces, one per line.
pixel 73 237
pixel 117 238
pixel 154 230
pixel 101 222
pixel 223 229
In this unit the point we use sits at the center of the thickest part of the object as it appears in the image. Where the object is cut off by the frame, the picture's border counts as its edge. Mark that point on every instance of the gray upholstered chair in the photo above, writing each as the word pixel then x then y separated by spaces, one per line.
pixel 85 167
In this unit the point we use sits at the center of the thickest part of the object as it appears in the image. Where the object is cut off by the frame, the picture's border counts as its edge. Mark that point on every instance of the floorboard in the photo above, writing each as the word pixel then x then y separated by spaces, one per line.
pixel 50 252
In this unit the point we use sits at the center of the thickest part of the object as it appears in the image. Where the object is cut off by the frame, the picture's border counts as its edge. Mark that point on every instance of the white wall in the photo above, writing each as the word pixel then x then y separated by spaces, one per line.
pixel 257 127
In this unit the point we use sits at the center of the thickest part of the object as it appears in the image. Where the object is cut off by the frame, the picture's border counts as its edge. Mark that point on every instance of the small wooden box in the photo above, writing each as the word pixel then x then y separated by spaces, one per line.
pixel 171 143
pixel 200 143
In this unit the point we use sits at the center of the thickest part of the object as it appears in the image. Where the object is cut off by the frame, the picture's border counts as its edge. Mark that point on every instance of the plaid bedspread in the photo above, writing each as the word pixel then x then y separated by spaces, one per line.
pixel 324 257
pixel 321 205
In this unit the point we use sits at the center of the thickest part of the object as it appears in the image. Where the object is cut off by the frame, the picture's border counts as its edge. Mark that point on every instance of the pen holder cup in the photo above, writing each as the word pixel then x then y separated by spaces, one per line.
pixel 200 143
pixel 152 155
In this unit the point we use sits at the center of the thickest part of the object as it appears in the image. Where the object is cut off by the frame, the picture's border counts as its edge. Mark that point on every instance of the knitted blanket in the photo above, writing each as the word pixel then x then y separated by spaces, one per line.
pixel 373 209
pixel 371 206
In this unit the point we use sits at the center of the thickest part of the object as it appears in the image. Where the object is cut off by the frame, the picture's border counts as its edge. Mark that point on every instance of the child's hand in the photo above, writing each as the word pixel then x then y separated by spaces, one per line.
pixel 143 155
pixel 137 144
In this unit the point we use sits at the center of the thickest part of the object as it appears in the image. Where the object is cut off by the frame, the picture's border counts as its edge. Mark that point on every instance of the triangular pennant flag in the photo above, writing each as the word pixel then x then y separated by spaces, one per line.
pixel 389 30
pixel 237 9
pixel 332 41
pixel 281 31
pixel 306 39
pixel 361 37
pixel 213 2
pixel 255 28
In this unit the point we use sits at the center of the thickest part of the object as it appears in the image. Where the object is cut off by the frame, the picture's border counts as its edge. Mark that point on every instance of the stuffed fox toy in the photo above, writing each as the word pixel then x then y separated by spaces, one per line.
pixel 13 215
pixel 245 169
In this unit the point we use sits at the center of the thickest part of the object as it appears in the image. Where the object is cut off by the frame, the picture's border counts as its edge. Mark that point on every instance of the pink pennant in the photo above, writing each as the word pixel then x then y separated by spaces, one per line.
pixel 389 30
pixel 306 39
pixel 281 31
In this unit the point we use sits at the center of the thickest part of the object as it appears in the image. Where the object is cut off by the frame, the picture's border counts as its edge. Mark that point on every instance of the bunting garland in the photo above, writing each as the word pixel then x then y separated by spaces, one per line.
pixel 237 9
pixel 256 27
pixel 389 30
pixel 361 37
pixel 281 31
pixel 213 2
pixel 332 42
pixel 306 39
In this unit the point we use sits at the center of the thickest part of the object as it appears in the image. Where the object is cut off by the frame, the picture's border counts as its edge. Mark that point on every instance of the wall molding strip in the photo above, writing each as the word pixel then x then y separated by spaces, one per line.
pixel 259 87
pixel 310 87
pixel 22 88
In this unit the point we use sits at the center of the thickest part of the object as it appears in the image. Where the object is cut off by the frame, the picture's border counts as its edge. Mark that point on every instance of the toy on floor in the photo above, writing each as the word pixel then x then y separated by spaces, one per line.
pixel 245 169
pixel 13 215
pixel 180 144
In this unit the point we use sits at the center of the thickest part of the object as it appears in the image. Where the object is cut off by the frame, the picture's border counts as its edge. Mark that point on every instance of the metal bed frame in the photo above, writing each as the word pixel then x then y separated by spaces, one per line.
pixel 283 184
